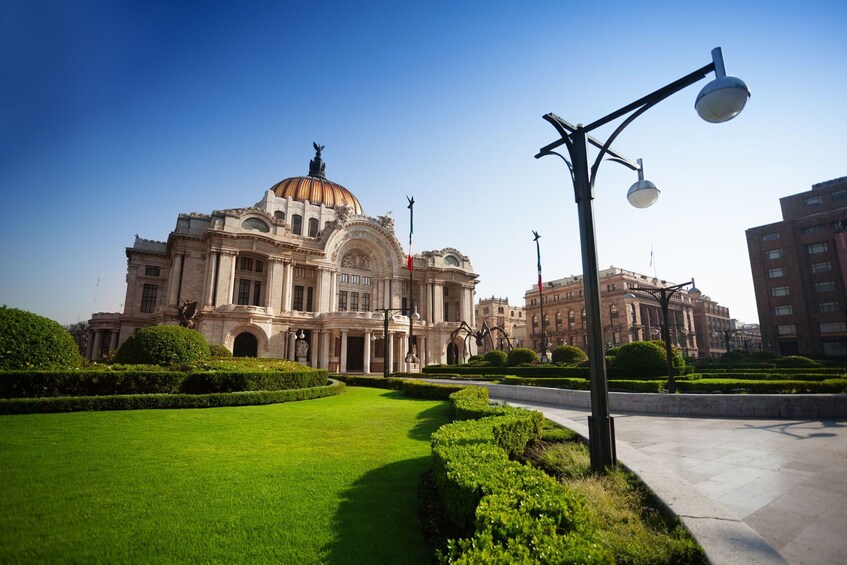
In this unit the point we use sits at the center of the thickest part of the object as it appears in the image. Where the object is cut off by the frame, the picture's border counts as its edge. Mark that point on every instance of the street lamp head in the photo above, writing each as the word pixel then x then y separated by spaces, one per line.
pixel 629 297
pixel 723 98
pixel 301 335
pixel 415 315
pixel 694 292
pixel 643 193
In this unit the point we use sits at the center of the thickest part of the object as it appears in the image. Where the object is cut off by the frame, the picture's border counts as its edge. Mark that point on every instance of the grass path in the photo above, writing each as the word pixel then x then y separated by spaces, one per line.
pixel 332 480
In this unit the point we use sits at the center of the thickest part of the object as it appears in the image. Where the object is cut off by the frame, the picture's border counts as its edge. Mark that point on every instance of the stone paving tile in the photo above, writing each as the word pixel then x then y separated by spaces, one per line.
pixel 778 526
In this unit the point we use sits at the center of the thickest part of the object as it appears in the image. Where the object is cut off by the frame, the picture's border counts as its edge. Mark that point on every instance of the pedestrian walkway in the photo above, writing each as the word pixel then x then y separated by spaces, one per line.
pixel 785 479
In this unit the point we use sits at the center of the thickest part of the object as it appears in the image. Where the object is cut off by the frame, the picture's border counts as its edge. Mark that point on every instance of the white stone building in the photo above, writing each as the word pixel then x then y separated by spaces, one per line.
pixel 304 260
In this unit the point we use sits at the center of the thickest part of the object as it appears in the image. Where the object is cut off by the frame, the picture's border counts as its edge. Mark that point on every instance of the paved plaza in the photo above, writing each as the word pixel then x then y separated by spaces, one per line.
pixel 786 479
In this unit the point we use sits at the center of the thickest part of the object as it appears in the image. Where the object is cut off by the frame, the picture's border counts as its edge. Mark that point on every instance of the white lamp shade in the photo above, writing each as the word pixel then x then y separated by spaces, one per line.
pixel 642 194
pixel 694 293
pixel 722 99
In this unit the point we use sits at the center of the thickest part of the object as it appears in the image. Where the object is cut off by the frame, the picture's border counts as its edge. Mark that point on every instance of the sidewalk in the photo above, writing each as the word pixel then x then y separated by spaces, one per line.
pixel 786 479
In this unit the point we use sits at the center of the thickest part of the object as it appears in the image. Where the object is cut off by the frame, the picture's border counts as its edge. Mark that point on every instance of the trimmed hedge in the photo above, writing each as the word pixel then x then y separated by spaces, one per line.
pixel 157 401
pixel 554 382
pixel 734 386
pixel 511 513
pixel 163 345
pixel 28 340
pixel 415 388
pixel 534 371
pixel 98 382
pixel 496 358
pixel 520 355
pixel 568 354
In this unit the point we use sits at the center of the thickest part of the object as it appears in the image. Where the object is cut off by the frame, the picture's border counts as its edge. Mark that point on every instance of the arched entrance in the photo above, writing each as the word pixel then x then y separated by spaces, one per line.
pixel 452 354
pixel 245 345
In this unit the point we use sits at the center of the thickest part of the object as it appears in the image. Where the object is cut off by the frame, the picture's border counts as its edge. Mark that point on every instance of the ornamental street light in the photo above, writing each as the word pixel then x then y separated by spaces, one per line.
pixel 721 100
pixel 411 351
pixel 727 335
pixel 386 348
pixel 663 295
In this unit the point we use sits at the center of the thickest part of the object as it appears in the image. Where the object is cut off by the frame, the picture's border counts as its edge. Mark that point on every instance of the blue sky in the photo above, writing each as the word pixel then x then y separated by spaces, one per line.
pixel 116 116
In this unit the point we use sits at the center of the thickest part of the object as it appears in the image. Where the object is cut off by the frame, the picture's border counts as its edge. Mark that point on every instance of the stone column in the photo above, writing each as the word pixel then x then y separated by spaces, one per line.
pixel 287 286
pixel 324 290
pixel 389 347
pixel 438 302
pixel 226 278
pixel 113 345
pixel 367 354
pixel 274 292
pixel 173 282
pixel 209 286
pixel 316 335
pixel 386 296
pixel 98 338
pixel 325 339
pixel 292 344
pixel 89 346
pixel 342 362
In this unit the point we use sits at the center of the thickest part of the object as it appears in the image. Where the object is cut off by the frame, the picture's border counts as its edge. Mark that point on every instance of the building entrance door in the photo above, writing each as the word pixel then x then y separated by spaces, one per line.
pixel 355 353
pixel 245 345
pixel 452 354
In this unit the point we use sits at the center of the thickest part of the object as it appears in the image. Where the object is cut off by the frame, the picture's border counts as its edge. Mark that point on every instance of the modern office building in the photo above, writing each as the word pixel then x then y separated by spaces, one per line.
pixel 799 266
pixel 303 273
pixel 623 322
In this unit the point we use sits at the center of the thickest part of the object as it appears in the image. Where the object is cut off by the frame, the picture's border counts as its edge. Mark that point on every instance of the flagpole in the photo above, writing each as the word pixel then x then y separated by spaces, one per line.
pixel 411 355
pixel 541 299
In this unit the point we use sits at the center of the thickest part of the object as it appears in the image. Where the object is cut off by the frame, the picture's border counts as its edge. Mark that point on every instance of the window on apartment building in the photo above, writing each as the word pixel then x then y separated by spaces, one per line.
pixel 779 291
pixel 148 297
pixel 485 311
pixel 825 286
pixel 822 267
pixel 613 311
pixel 776 273
pixel 820 228
pixel 773 254
pixel 500 310
pixel 814 248
pixel 773 236
pixel 783 310
pixel 786 329
pixel 558 321
pixel 583 317
pixel 840 194
pixel 534 322
pixel 610 287
pixel 151 270
pixel 813 201
pixel 832 327
pixel 827 306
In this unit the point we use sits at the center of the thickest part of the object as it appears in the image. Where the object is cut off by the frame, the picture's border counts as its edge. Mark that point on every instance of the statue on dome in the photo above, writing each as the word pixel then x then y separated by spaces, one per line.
pixel 317 168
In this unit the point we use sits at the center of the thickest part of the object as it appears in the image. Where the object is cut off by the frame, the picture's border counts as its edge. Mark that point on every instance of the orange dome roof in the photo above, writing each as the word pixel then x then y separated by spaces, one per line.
pixel 316 188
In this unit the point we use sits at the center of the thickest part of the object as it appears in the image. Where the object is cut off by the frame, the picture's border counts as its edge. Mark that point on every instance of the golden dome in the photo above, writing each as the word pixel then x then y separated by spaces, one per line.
pixel 316 188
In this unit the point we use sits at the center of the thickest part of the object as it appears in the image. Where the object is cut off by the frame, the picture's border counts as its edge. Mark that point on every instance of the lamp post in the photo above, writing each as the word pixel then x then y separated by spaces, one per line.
pixel 386 353
pixel 727 335
pixel 720 100
pixel 411 354
pixel 663 295
pixel 544 358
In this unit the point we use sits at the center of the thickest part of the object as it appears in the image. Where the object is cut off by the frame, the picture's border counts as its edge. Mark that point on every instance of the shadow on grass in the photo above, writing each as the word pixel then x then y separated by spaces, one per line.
pixel 377 520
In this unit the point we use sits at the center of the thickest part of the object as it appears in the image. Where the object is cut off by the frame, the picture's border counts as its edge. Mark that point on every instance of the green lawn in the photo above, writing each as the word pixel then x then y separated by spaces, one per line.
pixel 330 480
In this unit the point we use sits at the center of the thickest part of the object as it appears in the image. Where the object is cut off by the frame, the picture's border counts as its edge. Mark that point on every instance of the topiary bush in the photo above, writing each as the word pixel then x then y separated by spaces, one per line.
pixel 796 361
pixel 520 355
pixel 648 356
pixel 30 341
pixel 163 345
pixel 496 358
pixel 568 354
pixel 219 351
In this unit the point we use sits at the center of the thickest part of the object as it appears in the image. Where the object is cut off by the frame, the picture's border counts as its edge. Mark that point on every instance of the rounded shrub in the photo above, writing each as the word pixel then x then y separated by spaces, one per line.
pixel 796 361
pixel 219 351
pixel 521 355
pixel 568 354
pixel 496 358
pixel 163 345
pixel 474 358
pixel 30 341
pixel 646 355
pixel 763 356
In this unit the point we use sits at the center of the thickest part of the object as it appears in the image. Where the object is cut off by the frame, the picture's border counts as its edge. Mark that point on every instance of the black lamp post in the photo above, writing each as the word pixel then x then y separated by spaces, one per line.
pixel 727 335
pixel 411 354
pixel 720 100
pixel 663 295
pixel 386 349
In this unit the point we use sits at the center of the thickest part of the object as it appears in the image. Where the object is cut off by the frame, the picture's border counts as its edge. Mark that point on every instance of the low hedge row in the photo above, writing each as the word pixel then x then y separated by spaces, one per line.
pixel 831 371
pixel 779 375
pixel 735 386
pixel 550 371
pixel 510 512
pixel 36 384
pixel 151 401
pixel 615 385
pixel 411 388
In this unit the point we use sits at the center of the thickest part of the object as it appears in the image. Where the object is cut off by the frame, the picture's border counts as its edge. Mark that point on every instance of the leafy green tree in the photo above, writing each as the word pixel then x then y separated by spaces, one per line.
pixel 30 341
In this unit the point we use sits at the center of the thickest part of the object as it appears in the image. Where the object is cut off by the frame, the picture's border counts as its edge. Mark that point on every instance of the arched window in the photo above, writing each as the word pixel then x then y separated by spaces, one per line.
pixel 313 227
pixel 613 311
pixel 571 320
pixel 558 321
pixel 534 322
pixel 279 215
pixel 583 317
pixel 255 224
pixel 297 224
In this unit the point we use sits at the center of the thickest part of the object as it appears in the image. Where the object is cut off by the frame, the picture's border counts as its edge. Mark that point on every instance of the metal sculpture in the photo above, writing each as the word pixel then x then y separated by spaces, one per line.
pixel 480 335
pixel 186 313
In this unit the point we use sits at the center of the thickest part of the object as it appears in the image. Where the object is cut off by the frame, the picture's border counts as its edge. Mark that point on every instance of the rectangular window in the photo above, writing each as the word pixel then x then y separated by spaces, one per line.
pixel 827 306
pixel 779 291
pixel 773 236
pixel 243 297
pixel 310 295
pixel 776 273
pixel 813 201
pixel 259 266
pixel 354 301
pixel 832 327
pixel 840 194
pixel 820 228
pixel 446 312
pixel 786 329
pixel 257 293
pixel 354 279
pixel 148 297
pixel 342 301
pixel 366 281
pixel 783 310
pixel 366 302
pixel 245 264
pixel 814 248
pixel 298 298
pixel 773 254
pixel 344 277
pixel 151 271
pixel 825 286
pixel 822 267
pixel 610 287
